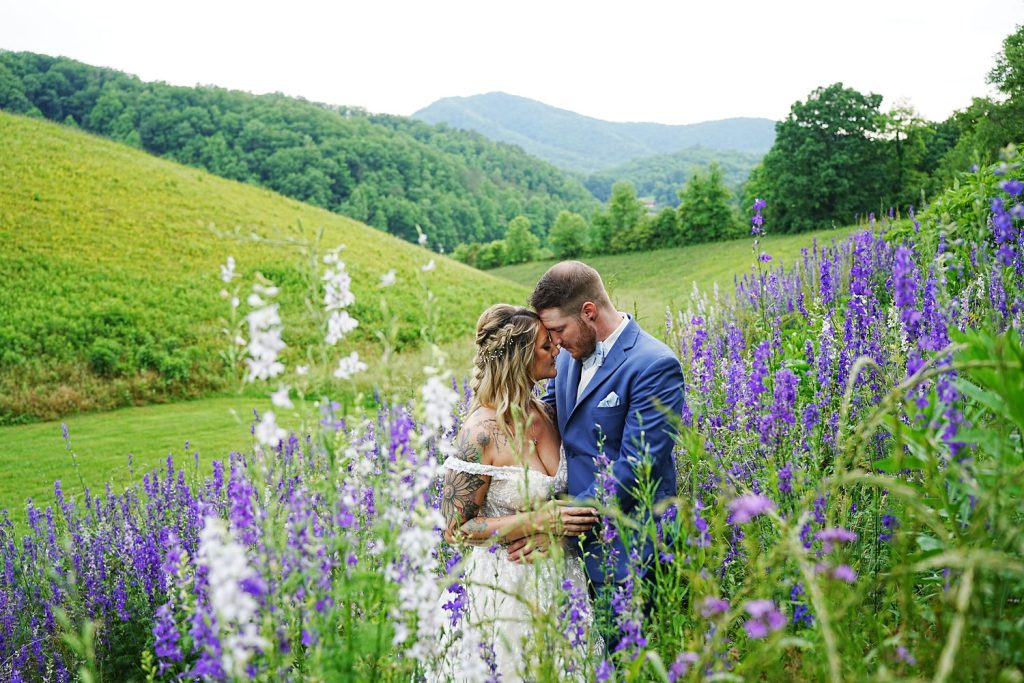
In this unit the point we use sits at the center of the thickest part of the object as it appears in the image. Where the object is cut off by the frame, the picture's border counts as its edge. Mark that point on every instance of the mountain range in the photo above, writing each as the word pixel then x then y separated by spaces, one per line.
pixel 583 144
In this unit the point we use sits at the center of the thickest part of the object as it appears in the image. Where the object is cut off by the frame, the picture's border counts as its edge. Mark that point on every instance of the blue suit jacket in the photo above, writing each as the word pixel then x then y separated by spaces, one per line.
pixel 648 380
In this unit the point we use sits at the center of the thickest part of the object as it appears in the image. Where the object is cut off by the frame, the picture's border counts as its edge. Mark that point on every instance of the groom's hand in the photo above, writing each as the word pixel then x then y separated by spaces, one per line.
pixel 571 520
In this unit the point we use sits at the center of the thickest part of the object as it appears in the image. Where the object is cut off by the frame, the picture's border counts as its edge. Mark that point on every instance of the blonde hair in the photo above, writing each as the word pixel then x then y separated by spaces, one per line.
pixel 506 336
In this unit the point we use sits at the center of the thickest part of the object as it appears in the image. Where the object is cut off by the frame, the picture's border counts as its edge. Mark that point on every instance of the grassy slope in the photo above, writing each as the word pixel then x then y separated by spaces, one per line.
pixel 645 283
pixel 33 456
pixel 98 240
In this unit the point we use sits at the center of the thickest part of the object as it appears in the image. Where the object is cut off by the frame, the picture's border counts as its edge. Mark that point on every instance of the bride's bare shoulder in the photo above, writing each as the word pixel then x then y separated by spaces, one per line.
pixel 480 437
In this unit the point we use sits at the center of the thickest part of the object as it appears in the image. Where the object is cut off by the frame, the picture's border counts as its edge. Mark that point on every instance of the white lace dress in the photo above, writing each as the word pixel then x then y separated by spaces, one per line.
pixel 500 595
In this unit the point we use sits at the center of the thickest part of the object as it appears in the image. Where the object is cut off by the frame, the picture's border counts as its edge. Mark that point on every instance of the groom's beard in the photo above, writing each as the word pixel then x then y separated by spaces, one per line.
pixel 587 340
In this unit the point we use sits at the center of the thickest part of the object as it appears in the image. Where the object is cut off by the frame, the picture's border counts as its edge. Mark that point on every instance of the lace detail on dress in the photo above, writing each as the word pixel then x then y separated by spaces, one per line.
pixel 502 595
pixel 513 488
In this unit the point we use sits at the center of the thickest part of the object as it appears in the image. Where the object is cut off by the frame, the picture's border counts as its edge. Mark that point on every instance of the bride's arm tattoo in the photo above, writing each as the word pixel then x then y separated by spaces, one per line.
pixel 463 493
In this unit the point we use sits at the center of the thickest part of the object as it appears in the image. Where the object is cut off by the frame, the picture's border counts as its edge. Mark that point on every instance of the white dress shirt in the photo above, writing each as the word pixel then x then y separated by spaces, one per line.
pixel 587 373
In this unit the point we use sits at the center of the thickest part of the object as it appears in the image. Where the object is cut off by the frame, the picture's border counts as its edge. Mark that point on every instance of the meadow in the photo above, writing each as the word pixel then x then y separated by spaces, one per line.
pixel 110 277
pixel 850 469
pixel 647 283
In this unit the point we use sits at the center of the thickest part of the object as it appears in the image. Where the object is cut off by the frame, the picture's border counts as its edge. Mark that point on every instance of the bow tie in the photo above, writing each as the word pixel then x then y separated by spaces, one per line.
pixel 596 359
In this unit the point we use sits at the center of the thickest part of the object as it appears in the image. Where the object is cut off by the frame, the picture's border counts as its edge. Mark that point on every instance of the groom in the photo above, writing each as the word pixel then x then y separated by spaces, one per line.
pixel 616 383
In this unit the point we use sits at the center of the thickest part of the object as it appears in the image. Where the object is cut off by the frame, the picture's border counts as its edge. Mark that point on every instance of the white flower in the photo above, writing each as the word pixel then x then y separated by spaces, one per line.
pixel 236 609
pixel 331 257
pixel 280 397
pixel 338 325
pixel 438 404
pixel 429 266
pixel 264 342
pixel 349 366
pixel 267 432
pixel 422 239
pixel 227 271
pixel 388 278
pixel 337 292
pixel 302 370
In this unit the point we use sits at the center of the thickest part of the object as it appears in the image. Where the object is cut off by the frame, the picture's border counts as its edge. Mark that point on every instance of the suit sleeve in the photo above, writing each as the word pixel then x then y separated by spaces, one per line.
pixel 549 398
pixel 656 401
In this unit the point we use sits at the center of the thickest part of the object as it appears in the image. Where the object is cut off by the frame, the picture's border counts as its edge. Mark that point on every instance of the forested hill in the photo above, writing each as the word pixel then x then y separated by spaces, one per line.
pixel 580 143
pixel 663 176
pixel 388 172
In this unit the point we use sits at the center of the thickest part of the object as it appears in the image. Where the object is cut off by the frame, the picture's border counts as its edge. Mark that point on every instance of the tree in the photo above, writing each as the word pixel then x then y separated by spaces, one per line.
pixel 705 211
pixel 823 167
pixel 624 213
pixel 568 236
pixel 520 244
pixel 907 136
pixel 466 253
pixel 1008 73
pixel 491 255
pixel 665 229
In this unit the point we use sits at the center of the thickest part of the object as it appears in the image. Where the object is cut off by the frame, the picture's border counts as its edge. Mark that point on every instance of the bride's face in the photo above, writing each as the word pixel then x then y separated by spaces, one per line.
pixel 544 353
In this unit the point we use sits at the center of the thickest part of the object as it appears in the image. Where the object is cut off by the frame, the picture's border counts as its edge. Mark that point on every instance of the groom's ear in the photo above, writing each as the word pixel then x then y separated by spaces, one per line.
pixel 588 311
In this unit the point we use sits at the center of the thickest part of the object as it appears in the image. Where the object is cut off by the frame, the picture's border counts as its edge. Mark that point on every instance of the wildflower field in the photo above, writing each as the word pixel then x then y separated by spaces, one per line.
pixel 850 503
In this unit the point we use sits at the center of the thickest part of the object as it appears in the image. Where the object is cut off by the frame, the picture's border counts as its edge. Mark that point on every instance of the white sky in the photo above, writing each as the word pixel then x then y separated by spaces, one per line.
pixel 669 62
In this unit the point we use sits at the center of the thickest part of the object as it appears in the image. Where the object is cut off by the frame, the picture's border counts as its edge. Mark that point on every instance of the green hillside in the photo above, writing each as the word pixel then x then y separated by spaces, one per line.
pixel 388 172
pixel 582 143
pixel 645 283
pixel 109 274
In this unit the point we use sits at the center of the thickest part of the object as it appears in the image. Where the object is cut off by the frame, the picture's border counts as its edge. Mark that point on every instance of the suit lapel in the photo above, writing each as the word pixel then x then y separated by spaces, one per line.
pixel 573 370
pixel 612 361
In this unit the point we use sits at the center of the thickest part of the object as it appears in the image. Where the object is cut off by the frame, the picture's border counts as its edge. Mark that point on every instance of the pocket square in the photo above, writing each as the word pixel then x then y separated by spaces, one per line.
pixel 609 401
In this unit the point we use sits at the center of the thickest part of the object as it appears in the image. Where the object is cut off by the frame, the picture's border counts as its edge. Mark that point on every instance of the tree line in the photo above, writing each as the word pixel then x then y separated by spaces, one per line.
pixel 837 157
pixel 706 212
pixel 392 173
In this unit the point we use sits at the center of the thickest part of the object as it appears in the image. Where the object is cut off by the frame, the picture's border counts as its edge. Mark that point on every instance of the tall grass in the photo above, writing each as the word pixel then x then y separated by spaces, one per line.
pixel 850 469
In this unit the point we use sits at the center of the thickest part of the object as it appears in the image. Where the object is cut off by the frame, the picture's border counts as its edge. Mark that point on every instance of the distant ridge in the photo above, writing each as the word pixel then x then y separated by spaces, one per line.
pixel 582 143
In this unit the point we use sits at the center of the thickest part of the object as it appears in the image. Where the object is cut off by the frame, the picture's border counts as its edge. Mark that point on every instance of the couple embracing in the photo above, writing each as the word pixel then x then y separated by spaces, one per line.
pixel 525 473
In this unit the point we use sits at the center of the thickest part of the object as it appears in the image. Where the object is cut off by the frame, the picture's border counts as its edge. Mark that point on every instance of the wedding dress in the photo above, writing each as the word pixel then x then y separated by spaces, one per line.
pixel 500 594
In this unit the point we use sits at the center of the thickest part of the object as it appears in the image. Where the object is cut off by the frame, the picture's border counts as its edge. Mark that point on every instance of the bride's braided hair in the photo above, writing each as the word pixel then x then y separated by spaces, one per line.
pixel 505 339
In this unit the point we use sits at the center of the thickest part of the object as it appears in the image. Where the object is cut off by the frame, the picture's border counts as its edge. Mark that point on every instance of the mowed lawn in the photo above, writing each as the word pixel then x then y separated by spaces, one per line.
pixel 33 456
pixel 645 283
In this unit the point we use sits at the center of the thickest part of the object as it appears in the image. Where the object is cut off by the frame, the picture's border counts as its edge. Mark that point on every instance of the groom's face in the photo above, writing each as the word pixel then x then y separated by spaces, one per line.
pixel 573 332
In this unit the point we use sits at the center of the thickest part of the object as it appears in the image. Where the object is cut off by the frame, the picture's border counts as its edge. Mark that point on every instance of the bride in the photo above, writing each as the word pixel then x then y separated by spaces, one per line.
pixel 502 485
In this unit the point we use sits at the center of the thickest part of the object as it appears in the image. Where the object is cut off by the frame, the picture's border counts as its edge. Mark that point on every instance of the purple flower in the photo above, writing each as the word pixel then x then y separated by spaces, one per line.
pixel 604 671
pixel 786 479
pixel 765 618
pixel 165 631
pixel 748 506
pixel 764 257
pixel 1012 187
pixel 844 572
pixel 572 618
pixel 833 535
pixel 712 606
pixel 889 525
pixel 757 221
pixel 904 655
pixel 784 397
pixel 681 665
pixel 801 615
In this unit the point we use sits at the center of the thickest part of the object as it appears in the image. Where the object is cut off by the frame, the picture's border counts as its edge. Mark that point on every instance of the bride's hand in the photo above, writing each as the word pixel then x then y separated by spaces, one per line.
pixel 529 548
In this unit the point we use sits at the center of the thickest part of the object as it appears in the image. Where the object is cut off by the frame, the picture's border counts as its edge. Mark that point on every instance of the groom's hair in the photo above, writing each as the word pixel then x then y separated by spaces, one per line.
pixel 567 286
